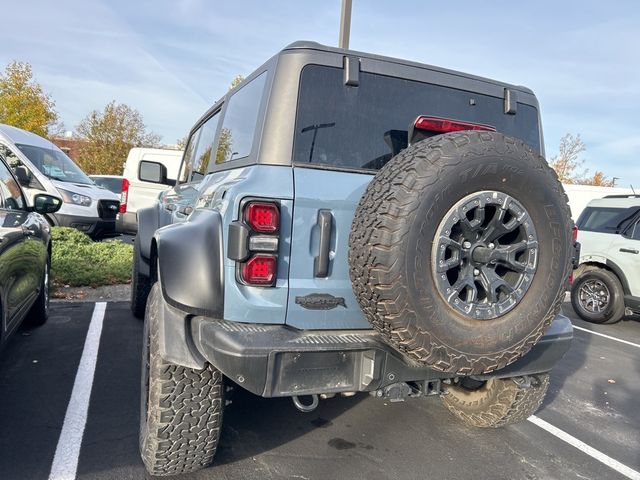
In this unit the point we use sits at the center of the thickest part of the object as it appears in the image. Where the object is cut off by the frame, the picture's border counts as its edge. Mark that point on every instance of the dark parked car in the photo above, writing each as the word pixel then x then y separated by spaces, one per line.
pixel 25 252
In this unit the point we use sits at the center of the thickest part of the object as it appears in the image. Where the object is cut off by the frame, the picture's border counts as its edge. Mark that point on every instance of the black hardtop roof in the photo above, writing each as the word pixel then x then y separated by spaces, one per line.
pixel 309 45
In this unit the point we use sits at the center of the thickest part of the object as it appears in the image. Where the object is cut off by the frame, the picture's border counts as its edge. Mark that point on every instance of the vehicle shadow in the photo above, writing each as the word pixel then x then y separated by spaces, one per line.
pixel 570 364
pixel 254 425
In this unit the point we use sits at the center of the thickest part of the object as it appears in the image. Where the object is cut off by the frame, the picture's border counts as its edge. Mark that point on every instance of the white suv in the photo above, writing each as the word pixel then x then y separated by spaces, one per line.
pixel 606 285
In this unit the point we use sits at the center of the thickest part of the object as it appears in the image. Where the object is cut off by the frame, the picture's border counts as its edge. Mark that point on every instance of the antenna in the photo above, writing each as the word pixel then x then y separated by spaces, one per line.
pixel 345 24
pixel 634 192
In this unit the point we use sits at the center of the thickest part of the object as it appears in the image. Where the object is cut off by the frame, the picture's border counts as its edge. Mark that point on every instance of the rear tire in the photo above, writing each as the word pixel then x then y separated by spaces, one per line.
pixel 497 403
pixel 181 408
pixel 597 295
pixel 140 284
pixel 39 313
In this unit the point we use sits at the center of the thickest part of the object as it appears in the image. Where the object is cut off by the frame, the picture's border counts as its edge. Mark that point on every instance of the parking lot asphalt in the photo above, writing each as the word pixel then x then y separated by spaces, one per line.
pixel 594 398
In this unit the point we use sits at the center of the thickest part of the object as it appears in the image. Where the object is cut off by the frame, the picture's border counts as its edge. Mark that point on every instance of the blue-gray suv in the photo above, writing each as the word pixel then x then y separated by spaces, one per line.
pixel 345 222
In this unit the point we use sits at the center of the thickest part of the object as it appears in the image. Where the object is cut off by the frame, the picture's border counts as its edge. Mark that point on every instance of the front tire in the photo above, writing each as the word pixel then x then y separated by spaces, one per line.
pixel 181 408
pixel 497 402
pixel 597 296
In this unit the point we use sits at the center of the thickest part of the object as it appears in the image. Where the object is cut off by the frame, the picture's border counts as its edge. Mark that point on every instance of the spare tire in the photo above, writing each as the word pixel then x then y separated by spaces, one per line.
pixel 460 250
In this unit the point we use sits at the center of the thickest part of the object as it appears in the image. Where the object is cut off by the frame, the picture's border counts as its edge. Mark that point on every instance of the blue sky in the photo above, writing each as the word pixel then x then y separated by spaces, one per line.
pixel 172 59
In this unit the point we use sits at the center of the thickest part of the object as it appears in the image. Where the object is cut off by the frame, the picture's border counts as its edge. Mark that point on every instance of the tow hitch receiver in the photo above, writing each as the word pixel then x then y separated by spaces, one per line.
pixel 397 392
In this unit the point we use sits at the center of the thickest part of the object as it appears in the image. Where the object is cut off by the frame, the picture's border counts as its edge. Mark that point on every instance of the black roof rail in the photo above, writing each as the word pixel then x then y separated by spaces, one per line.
pixel 631 195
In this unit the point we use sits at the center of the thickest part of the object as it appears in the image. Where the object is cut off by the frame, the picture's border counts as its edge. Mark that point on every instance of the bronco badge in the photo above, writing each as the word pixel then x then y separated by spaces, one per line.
pixel 320 301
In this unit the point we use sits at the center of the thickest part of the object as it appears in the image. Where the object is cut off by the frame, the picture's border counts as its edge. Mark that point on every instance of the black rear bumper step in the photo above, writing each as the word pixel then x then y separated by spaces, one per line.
pixel 276 360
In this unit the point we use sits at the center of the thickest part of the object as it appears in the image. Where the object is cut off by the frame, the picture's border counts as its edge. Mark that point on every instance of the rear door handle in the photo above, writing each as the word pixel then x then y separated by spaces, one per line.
pixel 629 250
pixel 321 262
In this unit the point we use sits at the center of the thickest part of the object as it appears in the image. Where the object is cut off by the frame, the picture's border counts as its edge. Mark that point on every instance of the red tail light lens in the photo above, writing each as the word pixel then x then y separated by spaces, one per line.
pixel 263 217
pixel 575 233
pixel 259 270
pixel 124 196
pixel 443 125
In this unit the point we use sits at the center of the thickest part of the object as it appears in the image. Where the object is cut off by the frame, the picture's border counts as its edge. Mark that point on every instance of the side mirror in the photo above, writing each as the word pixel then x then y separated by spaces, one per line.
pixel 44 203
pixel 23 175
pixel 154 172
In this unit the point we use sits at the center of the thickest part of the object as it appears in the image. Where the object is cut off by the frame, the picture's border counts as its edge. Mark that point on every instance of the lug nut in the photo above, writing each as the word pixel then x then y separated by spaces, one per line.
pixel 466 244
pixel 491 245
pixel 476 272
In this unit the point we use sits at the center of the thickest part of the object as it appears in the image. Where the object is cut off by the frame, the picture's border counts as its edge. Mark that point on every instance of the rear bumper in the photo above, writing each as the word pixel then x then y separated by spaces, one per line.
pixel 276 360
pixel 93 226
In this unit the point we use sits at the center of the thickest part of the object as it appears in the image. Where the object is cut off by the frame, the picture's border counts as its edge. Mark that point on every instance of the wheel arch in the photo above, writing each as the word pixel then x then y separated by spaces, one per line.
pixel 612 267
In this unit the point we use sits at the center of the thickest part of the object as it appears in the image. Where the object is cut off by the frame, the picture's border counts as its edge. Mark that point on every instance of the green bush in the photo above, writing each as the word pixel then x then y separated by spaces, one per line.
pixel 78 261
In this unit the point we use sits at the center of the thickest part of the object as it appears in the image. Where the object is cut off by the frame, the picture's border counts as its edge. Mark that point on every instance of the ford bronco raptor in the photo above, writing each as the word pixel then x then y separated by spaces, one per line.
pixel 345 222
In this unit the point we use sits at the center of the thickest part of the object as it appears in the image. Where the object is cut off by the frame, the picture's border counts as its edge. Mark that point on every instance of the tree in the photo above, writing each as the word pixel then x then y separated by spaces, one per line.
pixel 182 142
pixel 236 81
pixel 23 103
pixel 600 180
pixel 109 135
pixel 567 161
pixel 568 164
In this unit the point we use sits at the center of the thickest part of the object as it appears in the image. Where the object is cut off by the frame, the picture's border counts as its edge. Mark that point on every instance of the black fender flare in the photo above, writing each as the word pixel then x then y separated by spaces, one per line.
pixel 191 264
pixel 147 225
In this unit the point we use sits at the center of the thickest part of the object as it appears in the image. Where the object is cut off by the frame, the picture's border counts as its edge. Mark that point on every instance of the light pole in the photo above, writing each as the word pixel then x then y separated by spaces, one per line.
pixel 345 24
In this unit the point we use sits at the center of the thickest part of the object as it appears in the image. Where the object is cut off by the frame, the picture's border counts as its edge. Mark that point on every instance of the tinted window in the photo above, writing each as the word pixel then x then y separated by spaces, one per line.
pixel 112 184
pixel 200 161
pixel 240 120
pixel 606 220
pixel 185 168
pixel 634 233
pixel 10 194
pixel 364 126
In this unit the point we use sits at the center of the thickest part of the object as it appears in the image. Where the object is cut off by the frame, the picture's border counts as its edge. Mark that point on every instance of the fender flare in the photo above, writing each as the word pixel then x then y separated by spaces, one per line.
pixel 191 264
pixel 147 225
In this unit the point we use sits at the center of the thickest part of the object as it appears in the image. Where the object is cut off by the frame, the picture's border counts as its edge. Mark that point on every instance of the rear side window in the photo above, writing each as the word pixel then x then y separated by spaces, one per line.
pixel 363 127
pixel 240 120
pixel 606 219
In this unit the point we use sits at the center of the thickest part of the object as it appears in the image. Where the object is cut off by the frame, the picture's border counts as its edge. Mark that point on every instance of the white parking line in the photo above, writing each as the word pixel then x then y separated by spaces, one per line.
pixel 607 336
pixel 589 450
pixel 65 460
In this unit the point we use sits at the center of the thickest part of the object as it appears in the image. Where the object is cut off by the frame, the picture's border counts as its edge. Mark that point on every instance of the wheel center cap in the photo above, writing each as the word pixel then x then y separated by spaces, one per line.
pixel 481 254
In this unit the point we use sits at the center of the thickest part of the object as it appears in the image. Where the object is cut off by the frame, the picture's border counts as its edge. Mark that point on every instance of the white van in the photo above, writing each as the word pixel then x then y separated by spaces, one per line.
pixel 136 193
pixel 40 166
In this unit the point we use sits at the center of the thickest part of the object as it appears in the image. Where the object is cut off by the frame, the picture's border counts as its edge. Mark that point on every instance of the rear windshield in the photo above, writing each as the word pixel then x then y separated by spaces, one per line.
pixel 606 219
pixel 363 127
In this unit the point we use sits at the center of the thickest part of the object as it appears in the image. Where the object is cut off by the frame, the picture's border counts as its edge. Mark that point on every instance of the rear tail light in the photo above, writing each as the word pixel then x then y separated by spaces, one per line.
pixel 253 243
pixel 262 217
pixel 574 232
pixel 444 125
pixel 259 270
pixel 124 196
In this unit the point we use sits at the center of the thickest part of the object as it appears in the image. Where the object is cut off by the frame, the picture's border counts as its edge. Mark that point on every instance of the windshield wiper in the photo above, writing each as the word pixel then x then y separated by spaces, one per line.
pixel 53 177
